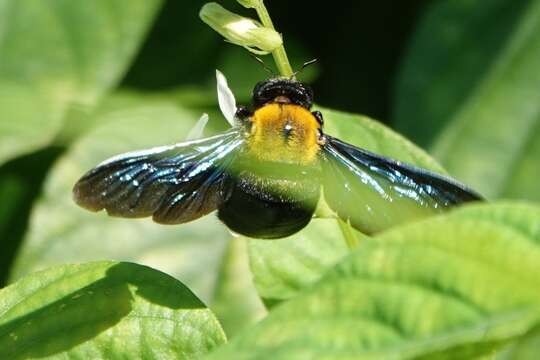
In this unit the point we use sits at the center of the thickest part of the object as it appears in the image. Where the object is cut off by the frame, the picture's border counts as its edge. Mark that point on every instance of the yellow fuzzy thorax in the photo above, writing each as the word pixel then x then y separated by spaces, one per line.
pixel 284 133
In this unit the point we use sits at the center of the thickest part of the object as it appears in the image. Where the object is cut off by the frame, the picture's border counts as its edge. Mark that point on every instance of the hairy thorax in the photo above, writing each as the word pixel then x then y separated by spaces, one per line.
pixel 284 133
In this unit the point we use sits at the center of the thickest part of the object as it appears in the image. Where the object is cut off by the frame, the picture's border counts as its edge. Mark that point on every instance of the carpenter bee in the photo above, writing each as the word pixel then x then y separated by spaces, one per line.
pixel 266 174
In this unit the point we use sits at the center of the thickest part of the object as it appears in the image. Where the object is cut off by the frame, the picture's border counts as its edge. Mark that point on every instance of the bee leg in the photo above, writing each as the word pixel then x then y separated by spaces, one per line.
pixel 318 116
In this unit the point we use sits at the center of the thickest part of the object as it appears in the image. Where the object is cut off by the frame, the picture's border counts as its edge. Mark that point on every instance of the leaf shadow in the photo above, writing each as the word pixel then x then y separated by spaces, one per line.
pixel 156 287
pixel 82 315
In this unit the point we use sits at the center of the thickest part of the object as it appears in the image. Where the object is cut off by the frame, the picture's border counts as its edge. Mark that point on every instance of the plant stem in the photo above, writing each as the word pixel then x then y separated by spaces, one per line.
pixel 348 234
pixel 279 54
pixel 324 211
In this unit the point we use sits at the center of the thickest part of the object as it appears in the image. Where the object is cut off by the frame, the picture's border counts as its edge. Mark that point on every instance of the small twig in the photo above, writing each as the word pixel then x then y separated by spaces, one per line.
pixel 348 234
pixel 279 54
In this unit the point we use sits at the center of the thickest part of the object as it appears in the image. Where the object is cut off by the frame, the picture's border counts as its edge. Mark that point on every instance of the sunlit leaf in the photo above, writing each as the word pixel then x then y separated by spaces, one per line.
pixel 236 302
pixel 61 232
pixel 282 268
pixel 454 287
pixel 58 55
pixel 524 349
pixel 369 134
pixel 104 310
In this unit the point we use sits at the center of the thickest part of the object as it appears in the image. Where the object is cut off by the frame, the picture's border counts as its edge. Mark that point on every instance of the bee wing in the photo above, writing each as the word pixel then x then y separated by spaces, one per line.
pixel 173 184
pixel 374 192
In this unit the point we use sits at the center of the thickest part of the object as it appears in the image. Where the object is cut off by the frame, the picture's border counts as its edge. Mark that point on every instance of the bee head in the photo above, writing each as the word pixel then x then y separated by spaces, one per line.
pixel 282 90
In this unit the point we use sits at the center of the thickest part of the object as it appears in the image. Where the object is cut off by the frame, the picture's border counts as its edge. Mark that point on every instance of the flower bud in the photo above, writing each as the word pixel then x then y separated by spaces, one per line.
pixel 240 30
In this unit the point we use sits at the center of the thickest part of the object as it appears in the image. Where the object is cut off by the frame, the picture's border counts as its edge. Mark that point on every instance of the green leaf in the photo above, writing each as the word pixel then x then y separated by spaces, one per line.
pixel 61 232
pixel 235 302
pixel 61 54
pixel 474 95
pixel 104 310
pixel 284 267
pixel 370 134
pixel 524 349
pixel 453 287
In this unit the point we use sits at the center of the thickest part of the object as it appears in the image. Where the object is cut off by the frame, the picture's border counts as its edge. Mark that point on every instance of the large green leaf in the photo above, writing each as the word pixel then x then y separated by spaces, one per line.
pixel 104 310
pixel 60 53
pixel 61 232
pixel 474 95
pixel 236 302
pixel 522 218
pixel 526 348
pixel 453 287
pixel 283 267
pixel 369 134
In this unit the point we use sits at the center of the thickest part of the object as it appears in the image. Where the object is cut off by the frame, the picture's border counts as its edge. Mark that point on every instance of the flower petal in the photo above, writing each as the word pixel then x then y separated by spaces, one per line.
pixel 196 131
pixel 227 102
pixel 240 30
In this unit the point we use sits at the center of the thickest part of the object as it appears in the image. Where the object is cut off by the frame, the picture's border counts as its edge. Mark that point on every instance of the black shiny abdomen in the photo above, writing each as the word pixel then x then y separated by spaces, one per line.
pixel 270 207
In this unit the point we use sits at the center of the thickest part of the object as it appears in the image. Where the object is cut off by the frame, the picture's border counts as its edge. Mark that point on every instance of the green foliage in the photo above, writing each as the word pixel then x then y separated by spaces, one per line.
pixel 372 135
pixel 452 287
pixel 59 229
pixel 282 269
pixel 236 302
pixel 458 286
pixel 104 310
pixel 57 55
pixel 470 89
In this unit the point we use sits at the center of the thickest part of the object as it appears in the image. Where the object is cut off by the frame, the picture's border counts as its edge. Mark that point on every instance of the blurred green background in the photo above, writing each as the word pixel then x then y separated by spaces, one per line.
pixel 83 81
pixel 359 46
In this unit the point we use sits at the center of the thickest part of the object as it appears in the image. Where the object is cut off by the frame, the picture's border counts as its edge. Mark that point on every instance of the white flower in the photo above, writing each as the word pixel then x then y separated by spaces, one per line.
pixel 227 105
pixel 197 130
pixel 227 102
pixel 240 30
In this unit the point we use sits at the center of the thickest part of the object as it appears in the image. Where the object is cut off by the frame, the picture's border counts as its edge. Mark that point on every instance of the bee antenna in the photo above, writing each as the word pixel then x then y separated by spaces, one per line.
pixel 304 65
pixel 265 67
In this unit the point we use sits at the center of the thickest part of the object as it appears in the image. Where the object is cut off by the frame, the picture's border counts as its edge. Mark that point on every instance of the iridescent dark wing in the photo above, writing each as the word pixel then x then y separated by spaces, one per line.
pixel 173 184
pixel 374 192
